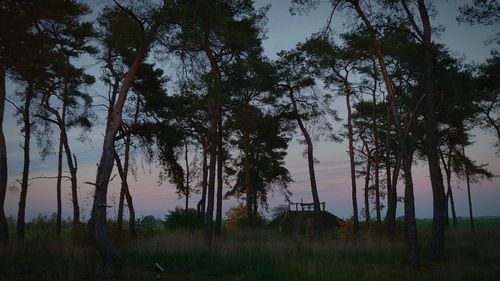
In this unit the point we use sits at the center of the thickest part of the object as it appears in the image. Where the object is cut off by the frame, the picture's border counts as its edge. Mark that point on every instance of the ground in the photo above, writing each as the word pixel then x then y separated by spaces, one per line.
pixel 263 254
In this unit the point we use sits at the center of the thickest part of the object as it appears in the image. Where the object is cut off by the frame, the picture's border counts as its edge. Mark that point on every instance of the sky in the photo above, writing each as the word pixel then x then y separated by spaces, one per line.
pixel 332 171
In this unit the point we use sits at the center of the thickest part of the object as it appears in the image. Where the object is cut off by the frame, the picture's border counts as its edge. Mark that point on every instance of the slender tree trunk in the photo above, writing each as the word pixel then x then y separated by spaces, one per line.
pixel 121 203
pixel 449 193
pixel 220 166
pixel 410 221
pixel 467 178
pixel 211 176
pixel 248 182
pixel 4 227
pixel 376 159
pixel 123 173
pixel 58 184
pixel 310 160
pixel 70 158
pixel 437 242
pixel 347 90
pixel 24 182
pixel 367 189
pixel 124 190
pixel 109 253
pixel 201 203
pixel 186 191
pixel 390 217
pixel 215 113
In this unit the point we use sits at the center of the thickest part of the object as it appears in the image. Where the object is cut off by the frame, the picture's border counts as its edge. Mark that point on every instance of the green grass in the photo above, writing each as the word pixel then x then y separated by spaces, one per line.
pixel 265 255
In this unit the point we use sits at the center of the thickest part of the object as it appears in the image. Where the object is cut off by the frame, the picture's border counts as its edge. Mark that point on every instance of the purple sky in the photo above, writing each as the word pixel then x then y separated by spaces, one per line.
pixel 284 31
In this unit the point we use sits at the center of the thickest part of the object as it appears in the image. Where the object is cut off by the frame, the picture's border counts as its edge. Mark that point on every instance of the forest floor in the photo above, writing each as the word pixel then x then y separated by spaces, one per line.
pixel 264 254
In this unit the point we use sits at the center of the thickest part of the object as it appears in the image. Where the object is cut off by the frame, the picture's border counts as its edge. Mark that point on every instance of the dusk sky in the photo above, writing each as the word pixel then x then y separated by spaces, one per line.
pixel 284 31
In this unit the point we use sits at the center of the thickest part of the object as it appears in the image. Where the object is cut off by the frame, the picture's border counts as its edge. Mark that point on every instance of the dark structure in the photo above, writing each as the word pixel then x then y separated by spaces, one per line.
pixel 298 219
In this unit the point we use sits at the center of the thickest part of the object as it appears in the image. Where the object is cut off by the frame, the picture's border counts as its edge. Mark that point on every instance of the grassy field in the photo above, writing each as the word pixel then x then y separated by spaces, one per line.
pixel 264 255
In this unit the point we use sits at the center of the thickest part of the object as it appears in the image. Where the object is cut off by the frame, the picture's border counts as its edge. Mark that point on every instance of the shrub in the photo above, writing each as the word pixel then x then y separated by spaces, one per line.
pixel 146 225
pixel 237 216
pixel 180 218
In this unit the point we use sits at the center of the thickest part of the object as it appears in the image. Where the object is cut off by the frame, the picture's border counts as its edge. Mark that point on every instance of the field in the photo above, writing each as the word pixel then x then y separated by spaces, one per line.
pixel 262 254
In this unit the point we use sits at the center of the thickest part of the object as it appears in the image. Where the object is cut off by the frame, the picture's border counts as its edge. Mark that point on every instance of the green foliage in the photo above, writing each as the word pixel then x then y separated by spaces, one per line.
pixel 147 225
pixel 182 219
pixel 41 227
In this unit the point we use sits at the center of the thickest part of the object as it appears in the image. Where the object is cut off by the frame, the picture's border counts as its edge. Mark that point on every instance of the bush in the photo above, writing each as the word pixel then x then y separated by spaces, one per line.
pixel 41 227
pixel 180 218
pixel 237 216
pixel 146 225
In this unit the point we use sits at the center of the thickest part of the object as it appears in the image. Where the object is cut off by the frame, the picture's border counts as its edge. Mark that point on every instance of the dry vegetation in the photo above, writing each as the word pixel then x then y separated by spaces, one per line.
pixel 263 254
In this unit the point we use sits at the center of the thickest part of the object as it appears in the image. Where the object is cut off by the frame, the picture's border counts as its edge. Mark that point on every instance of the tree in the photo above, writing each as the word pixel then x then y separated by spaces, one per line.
pixel 122 29
pixel 258 131
pixel 337 66
pixel 219 31
pixel 302 104
pixel 484 12
pixel 488 101
pixel 424 35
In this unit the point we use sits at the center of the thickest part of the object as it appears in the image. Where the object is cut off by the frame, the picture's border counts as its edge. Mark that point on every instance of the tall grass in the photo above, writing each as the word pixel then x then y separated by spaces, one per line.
pixel 264 254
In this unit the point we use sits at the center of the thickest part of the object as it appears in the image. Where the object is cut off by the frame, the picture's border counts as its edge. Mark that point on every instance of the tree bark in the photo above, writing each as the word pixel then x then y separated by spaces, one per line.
pixel 125 193
pixel 72 166
pixel 215 113
pixel 469 198
pixel 220 166
pixel 109 253
pixel 248 181
pixel 186 188
pixel 201 204
pixel 367 188
pixel 410 221
pixel 211 176
pixel 26 166
pixel 449 193
pixel 437 242
pixel 392 197
pixel 58 184
pixel 376 158
pixel 310 161
pixel 347 90
pixel 4 227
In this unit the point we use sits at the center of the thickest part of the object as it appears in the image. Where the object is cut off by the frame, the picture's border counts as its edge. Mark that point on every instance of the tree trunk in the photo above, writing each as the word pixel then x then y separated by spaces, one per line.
pixel 310 160
pixel 437 242
pixel 392 197
pixel 248 182
pixel 347 90
pixel 211 176
pixel 109 253
pixel 215 113
pixel 467 178
pixel 376 156
pixel 186 188
pixel 220 165
pixel 72 166
pixel 125 192
pixel 410 222
pixel 121 203
pixel 24 182
pixel 4 227
pixel 58 184
pixel 201 204
pixel 449 193
pixel 367 189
